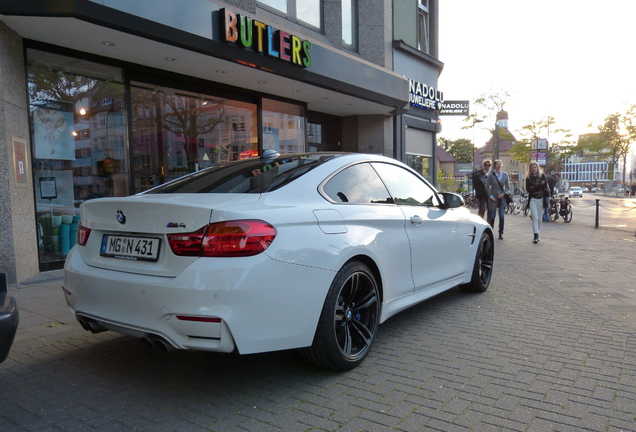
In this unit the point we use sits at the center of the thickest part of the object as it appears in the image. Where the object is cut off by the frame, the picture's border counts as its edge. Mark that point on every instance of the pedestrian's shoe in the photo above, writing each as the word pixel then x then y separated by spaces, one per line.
pixel 500 236
pixel 536 239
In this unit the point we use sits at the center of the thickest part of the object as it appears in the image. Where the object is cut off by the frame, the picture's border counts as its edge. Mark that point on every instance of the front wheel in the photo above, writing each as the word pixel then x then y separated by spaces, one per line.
pixel 349 320
pixel 568 216
pixel 482 269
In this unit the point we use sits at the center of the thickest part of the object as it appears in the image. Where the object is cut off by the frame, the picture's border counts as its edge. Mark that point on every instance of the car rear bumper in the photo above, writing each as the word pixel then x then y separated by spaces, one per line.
pixel 9 318
pixel 255 304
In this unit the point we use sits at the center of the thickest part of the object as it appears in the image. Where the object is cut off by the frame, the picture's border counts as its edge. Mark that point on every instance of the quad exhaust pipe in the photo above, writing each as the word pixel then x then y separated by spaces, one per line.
pixel 91 325
pixel 156 343
pixel 150 341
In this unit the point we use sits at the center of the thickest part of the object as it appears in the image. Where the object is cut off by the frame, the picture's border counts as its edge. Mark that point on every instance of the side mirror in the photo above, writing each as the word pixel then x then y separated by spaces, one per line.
pixel 452 200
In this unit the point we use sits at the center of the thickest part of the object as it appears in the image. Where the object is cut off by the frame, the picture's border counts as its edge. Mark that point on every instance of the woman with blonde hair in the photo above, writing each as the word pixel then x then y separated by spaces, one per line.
pixel 537 188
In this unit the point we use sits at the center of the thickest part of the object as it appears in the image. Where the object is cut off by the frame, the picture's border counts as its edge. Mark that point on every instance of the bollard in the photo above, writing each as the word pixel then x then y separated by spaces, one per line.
pixel 596 224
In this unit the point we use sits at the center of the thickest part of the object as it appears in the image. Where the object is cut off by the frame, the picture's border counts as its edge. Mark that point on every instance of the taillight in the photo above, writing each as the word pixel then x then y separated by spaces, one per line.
pixel 224 239
pixel 82 234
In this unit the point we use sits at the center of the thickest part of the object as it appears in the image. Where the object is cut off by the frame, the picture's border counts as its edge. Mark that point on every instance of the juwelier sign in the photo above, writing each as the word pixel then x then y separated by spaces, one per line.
pixel 425 96
pixel 264 39
pixel 461 107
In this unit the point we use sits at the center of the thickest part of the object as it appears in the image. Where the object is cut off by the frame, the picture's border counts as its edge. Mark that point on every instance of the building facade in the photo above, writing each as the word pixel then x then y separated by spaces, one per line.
pixel 102 98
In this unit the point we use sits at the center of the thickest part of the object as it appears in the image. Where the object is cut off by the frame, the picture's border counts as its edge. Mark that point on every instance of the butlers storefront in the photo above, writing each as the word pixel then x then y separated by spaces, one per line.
pixel 123 96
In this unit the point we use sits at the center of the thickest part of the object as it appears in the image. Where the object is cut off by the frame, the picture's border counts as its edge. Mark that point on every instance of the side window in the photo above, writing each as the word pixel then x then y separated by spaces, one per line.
pixel 357 184
pixel 406 188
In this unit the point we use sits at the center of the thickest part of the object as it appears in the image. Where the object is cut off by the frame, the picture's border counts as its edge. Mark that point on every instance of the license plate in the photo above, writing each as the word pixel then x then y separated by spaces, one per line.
pixel 130 248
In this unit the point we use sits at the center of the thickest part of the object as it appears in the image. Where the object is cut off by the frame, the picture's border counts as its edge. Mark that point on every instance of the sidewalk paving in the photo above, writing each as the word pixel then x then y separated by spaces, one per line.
pixel 549 347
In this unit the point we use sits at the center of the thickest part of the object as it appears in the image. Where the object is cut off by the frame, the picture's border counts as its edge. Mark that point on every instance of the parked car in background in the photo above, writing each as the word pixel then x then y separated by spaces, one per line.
pixel 9 318
pixel 576 191
pixel 309 251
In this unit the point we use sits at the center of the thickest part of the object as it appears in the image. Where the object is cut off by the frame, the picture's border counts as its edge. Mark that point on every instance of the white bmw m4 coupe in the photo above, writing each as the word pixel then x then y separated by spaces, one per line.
pixel 307 251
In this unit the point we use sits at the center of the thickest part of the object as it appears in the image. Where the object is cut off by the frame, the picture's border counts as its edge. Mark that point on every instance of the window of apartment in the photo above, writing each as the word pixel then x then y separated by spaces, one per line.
pixel 349 23
pixel 423 27
pixel 305 11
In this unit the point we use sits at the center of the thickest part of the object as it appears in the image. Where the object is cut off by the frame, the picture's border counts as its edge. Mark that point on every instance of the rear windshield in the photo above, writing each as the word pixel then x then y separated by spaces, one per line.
pixel 246 176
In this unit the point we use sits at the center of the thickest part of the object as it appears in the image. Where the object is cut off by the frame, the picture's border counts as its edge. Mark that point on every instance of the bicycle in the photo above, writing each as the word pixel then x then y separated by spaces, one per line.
pixel 471 201
pixel 560 207
pixel 510 207
pixel 554 209
pixel 522 204
pixel 565 209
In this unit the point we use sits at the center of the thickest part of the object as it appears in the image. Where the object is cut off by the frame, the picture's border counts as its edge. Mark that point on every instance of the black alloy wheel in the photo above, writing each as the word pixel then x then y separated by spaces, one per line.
pixel 482 270
pixel 349 320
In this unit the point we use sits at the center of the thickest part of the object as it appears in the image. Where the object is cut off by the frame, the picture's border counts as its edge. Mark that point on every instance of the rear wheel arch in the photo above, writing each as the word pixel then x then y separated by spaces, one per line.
pixel 369 262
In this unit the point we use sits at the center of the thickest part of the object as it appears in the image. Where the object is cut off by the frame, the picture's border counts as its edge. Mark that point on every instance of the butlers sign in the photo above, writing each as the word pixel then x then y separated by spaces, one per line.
pixel 264 39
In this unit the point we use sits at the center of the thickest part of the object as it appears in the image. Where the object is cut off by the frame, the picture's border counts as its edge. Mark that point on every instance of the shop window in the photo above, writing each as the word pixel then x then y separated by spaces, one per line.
pixel 419 163
pixel 187 132
pixel 303 11
pixel 314 136
pixel 78 143
pixel 283 140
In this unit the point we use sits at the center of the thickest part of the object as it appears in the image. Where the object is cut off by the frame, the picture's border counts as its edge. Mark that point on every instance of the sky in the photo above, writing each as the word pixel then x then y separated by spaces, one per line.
pixel 574 60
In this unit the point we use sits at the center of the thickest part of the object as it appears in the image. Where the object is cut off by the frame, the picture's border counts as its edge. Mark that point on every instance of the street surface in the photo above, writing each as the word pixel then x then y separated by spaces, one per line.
pixel 618 213
pixel 549 347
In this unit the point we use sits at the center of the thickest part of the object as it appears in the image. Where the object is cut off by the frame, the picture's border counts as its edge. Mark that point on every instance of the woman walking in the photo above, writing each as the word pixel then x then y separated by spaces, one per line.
pixel 497 186
pixel 536 185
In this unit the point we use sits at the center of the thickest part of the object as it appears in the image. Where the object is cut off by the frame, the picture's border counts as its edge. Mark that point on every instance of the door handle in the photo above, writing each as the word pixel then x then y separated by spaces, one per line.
pixel 416 220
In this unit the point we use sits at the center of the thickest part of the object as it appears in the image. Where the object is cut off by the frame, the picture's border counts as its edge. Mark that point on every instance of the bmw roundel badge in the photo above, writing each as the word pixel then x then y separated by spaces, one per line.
pixel 121 217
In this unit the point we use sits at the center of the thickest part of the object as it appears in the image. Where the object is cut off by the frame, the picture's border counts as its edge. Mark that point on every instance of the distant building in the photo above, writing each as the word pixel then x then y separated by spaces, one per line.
pixel 505 142
pixel 592 171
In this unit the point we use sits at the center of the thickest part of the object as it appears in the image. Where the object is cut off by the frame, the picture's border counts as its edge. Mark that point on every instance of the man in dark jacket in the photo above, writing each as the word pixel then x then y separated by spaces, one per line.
pixel 552 182
pixel 480 177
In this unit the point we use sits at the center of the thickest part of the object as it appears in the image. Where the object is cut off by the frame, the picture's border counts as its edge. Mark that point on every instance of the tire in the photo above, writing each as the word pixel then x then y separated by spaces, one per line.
pixel 525 211
pixel 517 208
pixel 349 320
pixel 568 217
pixel 553 213
pixel 482 269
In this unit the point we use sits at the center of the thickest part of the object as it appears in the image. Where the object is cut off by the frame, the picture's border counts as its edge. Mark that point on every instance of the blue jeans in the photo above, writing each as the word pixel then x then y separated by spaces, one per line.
pixel 546 211
pixel 501 206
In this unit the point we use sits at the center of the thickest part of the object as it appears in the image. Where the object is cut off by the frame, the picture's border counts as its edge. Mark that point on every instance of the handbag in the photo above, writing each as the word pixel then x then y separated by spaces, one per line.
pixel 508 198
pixel 507 195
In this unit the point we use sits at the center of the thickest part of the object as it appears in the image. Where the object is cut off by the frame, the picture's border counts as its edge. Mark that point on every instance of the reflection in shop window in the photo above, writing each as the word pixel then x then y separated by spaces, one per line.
pixel 78 143
pixel 186 132
pixel 420 164
pixel 283 127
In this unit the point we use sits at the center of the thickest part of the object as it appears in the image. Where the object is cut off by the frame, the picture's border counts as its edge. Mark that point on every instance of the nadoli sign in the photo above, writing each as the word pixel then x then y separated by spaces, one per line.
pixel 425 96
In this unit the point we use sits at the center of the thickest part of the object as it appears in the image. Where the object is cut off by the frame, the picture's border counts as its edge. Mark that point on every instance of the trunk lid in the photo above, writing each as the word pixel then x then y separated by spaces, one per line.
pixel 145 220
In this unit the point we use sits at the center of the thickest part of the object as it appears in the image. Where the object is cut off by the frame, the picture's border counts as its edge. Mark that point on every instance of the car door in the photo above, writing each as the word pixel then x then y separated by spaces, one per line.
pixel 371 223
pixel 439 239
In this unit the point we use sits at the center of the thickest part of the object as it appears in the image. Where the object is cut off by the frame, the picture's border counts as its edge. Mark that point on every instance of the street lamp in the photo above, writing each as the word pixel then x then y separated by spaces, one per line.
pixel 475 121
